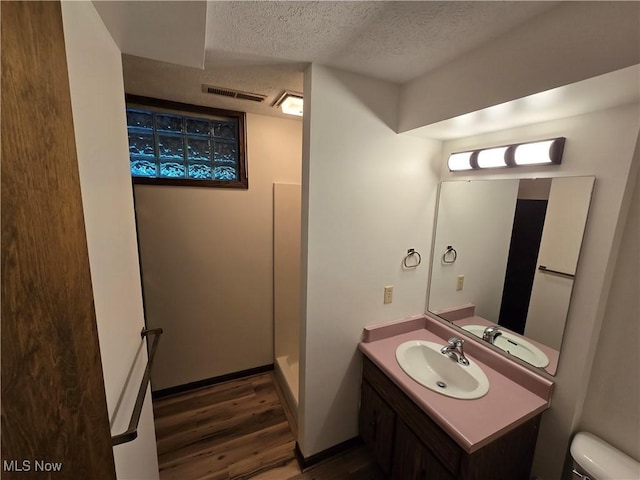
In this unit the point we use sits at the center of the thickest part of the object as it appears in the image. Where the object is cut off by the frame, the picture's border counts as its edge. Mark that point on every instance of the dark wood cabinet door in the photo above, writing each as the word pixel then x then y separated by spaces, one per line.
pixel 377 421
pixel 413 461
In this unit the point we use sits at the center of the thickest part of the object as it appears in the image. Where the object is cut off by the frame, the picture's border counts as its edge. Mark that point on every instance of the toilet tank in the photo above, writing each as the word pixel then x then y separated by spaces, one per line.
pixel 596 459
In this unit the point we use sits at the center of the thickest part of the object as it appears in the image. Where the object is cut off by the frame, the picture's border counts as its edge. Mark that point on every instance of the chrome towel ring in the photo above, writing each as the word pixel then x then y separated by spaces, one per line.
pixel 411 257
pixel 450 255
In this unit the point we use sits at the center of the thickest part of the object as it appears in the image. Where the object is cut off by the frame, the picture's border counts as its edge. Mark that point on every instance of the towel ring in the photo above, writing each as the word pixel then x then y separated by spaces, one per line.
pixel 411 253
pixel 450 255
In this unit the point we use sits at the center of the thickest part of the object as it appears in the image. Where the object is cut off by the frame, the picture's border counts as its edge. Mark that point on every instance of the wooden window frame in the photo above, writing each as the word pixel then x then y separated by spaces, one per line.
pixel 133 101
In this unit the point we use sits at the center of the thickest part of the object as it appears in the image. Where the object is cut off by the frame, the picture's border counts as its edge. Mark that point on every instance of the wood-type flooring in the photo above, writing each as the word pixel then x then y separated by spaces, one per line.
pixel 239 430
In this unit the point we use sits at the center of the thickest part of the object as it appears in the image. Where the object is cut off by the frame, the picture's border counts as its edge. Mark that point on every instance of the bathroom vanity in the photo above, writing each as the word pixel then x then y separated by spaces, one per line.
pixel 417 433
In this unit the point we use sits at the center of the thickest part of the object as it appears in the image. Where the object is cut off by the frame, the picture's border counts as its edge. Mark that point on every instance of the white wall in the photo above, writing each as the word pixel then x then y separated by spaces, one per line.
pixel 572 42
pixel 368 196
pixel 600 144
pixel 611 408
pixel 473 217
pixel 97 96
pixel 207 262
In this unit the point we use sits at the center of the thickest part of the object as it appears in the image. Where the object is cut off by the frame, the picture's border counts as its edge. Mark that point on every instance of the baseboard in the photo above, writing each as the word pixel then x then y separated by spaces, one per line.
pixel 165 392
pixel 307 462
pixel 285 400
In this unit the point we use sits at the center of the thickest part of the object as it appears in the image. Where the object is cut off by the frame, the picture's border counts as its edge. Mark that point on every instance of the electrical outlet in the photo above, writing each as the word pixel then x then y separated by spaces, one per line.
pixel 388 294
pixel 460 283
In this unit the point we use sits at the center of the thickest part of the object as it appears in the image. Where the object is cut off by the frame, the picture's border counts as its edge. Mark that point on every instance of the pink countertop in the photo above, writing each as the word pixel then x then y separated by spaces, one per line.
pixel 515 393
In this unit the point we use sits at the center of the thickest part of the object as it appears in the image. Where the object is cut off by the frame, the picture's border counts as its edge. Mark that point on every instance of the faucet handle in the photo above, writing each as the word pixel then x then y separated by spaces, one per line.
pixel 456 342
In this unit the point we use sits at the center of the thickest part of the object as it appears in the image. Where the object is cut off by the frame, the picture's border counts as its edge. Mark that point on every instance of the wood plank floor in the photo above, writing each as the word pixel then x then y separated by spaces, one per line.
pixel 238 430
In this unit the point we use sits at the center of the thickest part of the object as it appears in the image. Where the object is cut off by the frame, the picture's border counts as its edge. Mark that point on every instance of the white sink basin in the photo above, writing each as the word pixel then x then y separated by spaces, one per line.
pixel 514 345
pixel 423 362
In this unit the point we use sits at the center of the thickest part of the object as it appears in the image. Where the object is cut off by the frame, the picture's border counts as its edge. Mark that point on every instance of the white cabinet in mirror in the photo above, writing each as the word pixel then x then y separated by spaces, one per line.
pixel 517 244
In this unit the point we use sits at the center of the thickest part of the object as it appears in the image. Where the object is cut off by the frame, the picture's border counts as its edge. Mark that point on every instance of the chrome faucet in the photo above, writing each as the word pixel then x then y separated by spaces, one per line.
pixel 490 334
pixel 455 351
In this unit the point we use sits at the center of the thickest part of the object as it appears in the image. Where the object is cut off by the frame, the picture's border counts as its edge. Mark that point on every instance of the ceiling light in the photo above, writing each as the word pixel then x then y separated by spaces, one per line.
pixel 290 103
pixel 545 152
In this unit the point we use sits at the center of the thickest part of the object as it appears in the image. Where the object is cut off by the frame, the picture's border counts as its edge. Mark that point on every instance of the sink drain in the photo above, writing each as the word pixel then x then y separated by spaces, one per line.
pixel 441 384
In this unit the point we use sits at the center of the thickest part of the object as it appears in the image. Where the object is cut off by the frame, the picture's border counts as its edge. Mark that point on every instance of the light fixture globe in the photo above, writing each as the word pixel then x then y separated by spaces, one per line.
pixel 460 161
pixel 539 153
pixel 492 158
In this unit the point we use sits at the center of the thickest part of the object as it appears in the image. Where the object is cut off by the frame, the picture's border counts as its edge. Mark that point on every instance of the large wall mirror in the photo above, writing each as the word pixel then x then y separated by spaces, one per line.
pixel 505 256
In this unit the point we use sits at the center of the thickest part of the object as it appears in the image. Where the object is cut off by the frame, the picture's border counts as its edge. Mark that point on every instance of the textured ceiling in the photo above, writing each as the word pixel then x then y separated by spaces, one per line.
pixel 394 41
pixel 264 46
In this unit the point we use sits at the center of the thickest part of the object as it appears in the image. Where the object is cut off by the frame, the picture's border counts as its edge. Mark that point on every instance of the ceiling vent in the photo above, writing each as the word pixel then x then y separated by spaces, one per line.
pixel 226 92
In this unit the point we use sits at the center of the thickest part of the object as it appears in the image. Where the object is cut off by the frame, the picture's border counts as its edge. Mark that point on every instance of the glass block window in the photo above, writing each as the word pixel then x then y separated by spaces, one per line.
pixel 173 143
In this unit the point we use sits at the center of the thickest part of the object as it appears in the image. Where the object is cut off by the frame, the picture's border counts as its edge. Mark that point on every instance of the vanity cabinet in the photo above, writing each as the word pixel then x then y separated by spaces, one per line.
pixel 410 446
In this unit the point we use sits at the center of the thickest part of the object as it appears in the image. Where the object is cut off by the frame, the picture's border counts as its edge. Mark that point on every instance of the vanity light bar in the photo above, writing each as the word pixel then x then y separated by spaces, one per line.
pixel 545 152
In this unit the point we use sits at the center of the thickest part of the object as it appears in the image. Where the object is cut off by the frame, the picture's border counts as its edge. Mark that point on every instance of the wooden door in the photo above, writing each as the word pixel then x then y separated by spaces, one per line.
pixel 54 413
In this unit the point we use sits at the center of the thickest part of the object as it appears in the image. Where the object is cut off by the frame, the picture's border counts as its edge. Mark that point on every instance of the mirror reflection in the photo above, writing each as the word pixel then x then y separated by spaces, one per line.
pixel 505 258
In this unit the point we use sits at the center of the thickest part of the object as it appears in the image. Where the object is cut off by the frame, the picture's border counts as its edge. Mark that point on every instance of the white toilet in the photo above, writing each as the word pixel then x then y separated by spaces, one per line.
pixel 595 459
